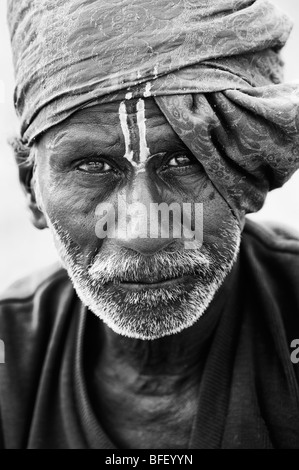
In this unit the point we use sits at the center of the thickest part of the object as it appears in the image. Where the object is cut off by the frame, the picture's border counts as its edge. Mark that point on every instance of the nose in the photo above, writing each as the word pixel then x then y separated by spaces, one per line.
pixel 139 229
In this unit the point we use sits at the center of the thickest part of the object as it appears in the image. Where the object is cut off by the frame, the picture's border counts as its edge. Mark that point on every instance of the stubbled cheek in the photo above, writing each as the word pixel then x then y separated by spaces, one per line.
pixel 218 218
pixel 75 214
pixel 217 215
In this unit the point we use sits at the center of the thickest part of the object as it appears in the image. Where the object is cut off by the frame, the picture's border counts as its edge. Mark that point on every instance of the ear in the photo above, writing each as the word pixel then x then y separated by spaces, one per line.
pixel 26 177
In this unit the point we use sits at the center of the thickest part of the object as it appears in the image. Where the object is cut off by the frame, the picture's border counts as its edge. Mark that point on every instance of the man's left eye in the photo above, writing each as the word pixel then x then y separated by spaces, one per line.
pixel 94 166
pixel 179 161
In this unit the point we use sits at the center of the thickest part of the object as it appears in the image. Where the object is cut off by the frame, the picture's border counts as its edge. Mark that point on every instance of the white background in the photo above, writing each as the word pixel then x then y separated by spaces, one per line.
pixel 22 247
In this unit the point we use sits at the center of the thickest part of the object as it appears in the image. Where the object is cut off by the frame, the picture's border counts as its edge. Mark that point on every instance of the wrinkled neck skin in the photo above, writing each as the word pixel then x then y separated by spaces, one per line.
pixel 147 391
pixel 175 356
pixel 166 364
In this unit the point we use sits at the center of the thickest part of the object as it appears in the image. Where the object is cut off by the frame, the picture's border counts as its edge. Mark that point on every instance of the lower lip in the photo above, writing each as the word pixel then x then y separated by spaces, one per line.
pixel 187 281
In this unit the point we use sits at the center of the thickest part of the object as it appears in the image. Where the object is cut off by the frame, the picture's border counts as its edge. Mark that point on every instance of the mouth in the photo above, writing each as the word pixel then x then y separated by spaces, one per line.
pixel 145 284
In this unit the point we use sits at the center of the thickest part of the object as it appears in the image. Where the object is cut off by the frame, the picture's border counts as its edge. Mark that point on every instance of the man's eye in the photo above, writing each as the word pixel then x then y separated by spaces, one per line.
pixel 179 161
pixel 94 166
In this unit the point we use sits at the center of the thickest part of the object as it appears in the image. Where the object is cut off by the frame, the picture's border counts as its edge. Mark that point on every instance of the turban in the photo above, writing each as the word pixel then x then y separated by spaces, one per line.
pixel 213 67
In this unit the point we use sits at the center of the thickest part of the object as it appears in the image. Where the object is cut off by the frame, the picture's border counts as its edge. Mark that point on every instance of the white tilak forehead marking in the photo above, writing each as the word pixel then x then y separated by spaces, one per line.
pixel 141 169
pixel 144 151
pixel 123 117
pixel 147 91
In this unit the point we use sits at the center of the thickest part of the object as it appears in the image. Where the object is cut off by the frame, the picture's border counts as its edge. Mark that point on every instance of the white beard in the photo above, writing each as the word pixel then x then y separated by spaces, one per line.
pixel 150 313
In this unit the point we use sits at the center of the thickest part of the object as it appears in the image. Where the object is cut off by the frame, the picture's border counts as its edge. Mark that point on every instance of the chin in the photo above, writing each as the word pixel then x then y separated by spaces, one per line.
pixel 148 314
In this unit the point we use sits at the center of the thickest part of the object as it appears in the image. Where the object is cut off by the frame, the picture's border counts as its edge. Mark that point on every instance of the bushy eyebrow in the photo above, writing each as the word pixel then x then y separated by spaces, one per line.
pixel 83 138
pixel 70 140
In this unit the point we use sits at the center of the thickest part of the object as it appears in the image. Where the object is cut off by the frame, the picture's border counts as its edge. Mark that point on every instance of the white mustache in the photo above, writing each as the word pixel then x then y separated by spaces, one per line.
pixel 122 266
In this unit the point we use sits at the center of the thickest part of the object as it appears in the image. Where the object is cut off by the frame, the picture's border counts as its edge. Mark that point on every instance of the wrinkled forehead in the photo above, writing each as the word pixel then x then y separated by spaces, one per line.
pixel 132 125
pixel 108 113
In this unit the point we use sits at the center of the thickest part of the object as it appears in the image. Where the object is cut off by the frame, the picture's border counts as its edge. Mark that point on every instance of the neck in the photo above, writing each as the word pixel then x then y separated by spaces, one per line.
pixel 176 355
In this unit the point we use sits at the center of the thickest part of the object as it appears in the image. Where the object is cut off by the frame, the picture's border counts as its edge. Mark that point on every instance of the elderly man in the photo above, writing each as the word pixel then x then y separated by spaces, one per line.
pixel 153 342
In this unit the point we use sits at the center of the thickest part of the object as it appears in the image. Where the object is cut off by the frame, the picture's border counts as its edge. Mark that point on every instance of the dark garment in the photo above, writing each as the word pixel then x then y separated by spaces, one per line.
pixel 248 396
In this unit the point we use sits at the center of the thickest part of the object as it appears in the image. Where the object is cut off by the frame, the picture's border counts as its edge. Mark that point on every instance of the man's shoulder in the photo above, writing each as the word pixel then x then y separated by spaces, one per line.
pixel 272 237
pixel 270 258
pixel 26 288
pixel 270 254
pixel 34 298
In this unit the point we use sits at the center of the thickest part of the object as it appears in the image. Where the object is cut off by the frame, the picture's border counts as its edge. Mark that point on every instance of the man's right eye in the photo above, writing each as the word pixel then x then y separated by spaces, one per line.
pixel 94 167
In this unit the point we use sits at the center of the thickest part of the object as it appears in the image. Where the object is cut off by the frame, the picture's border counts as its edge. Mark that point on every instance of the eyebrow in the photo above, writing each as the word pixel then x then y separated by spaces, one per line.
pixel 85 140
pixel 71 139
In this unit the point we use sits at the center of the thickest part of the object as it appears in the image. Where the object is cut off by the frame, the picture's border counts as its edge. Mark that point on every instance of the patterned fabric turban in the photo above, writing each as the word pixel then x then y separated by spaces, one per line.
pixel 212 66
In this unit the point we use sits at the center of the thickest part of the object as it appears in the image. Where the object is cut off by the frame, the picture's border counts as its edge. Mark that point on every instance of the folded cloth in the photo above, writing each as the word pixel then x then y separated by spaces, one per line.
pixel 213 67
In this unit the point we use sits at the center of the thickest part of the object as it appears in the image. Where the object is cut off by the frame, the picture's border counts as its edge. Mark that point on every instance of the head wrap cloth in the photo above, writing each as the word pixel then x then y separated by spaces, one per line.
pixel 213 67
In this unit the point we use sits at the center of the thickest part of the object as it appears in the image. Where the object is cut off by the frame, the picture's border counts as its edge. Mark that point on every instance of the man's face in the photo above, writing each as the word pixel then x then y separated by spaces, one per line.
pixel 141 287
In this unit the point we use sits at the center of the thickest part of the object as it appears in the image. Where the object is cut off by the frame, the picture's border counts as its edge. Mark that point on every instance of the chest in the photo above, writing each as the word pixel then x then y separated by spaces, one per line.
pixel 141 421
